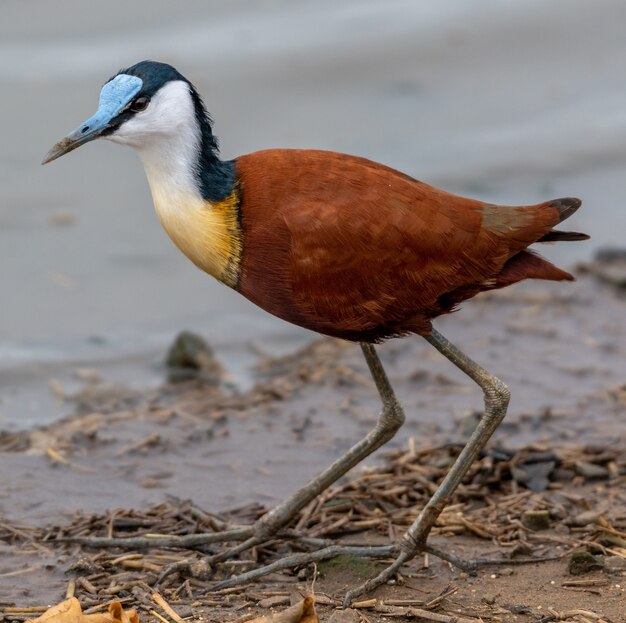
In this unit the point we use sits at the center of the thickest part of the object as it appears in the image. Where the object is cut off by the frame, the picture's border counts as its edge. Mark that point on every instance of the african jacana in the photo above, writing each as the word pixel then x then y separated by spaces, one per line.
pixel 334 243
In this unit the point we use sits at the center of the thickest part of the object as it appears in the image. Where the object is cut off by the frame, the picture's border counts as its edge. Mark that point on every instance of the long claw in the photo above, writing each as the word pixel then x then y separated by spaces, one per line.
pixel 237 549
pixel 186 567
pixel 382 578
pixel 187 541
pixel 298 560
pixel 464 565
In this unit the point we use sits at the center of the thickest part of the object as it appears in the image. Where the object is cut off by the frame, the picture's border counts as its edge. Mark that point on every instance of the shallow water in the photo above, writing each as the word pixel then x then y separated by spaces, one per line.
pixel 507 101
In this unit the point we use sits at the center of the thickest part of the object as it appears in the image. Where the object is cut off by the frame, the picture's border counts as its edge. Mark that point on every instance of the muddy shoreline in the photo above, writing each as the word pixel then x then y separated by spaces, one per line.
pixel 560 347
pixel 88 274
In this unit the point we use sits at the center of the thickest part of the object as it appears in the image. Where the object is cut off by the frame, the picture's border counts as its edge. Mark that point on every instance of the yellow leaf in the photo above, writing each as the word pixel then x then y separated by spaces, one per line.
pixel 69 611
pixel 302 612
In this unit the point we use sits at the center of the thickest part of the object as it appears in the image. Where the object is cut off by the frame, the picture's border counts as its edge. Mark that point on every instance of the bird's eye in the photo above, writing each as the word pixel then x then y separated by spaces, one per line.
pixel 141 103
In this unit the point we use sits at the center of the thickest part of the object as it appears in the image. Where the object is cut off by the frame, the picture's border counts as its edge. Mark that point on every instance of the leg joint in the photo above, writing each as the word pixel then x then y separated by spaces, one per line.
pixel 410 545
pixel 392 416
pixel 498 393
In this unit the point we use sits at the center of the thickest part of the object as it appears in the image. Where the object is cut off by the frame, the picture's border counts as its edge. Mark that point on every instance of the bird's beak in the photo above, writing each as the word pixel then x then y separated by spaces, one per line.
pixel 115 96
pixel 88 131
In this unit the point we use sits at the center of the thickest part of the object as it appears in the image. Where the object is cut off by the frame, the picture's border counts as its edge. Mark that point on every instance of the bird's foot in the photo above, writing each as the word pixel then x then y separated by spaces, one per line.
pixel 407 552
pixel 202 569
pixel 302 559
pixel 205 568
pixel 250 536
pixel 328 549
pixel 187 541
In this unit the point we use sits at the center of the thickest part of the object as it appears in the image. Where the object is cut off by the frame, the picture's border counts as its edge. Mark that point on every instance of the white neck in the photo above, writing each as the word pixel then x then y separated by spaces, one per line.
pixel 167 137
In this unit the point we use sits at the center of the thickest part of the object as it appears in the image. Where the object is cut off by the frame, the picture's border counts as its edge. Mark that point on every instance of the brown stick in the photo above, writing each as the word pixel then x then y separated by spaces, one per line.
pixel 418 613
pixel 159 601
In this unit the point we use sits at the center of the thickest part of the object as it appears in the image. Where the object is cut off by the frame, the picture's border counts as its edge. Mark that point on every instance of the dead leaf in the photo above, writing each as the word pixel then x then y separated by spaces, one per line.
pixel 117 614
pixel 302 612
pixel 69 611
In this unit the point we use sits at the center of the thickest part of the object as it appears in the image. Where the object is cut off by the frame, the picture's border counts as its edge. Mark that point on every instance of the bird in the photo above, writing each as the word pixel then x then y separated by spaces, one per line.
pixel 334 243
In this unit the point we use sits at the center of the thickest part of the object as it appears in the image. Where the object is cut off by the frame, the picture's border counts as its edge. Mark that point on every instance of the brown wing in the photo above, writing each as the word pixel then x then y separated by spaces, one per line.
pixel 347 247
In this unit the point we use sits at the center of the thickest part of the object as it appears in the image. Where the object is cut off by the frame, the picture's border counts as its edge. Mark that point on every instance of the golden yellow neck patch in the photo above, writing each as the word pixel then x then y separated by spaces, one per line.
pixel 208 233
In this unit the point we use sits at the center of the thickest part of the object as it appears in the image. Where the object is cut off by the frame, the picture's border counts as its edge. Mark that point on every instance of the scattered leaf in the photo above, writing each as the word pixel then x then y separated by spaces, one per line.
pixel 69 611
pixel 302 612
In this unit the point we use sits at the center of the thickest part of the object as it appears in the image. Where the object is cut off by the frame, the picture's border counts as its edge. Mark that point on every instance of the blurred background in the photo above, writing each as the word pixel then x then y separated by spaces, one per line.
pixel 509 101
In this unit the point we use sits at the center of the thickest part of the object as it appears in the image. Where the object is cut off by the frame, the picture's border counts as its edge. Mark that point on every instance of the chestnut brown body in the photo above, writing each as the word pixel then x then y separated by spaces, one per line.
pixel 353 249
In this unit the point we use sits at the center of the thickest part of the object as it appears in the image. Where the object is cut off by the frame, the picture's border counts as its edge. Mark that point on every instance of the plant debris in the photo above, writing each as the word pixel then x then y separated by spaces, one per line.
pixel 489 505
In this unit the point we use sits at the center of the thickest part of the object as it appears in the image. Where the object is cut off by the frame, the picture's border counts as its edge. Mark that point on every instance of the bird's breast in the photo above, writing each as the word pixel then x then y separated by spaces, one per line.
pixel 208 233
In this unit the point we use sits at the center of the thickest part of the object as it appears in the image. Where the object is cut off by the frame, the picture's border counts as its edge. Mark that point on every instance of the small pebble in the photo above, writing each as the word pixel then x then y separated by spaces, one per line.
pixel 582 562
pixel 585 518
pixel 189 357
pixel 591 470
pixel 201 570
pixel 536 520
pixel 349 615
pixel 615 563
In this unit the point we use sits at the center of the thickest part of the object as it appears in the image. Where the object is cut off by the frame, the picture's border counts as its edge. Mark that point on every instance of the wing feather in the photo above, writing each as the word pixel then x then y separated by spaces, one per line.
pixel 348 247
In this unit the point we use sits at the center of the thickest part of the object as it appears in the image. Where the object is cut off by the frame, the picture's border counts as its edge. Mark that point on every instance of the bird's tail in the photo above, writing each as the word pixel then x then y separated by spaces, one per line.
pixel 566 207
pixel 525 264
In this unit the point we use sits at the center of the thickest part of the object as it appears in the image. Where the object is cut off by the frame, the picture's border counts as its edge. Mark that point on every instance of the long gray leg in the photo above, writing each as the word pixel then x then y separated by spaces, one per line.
pixel 389 421
pixel 496 402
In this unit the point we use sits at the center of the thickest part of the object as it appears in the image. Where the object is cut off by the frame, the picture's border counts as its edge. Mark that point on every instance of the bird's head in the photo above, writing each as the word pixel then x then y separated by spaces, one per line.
pixel 144 105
